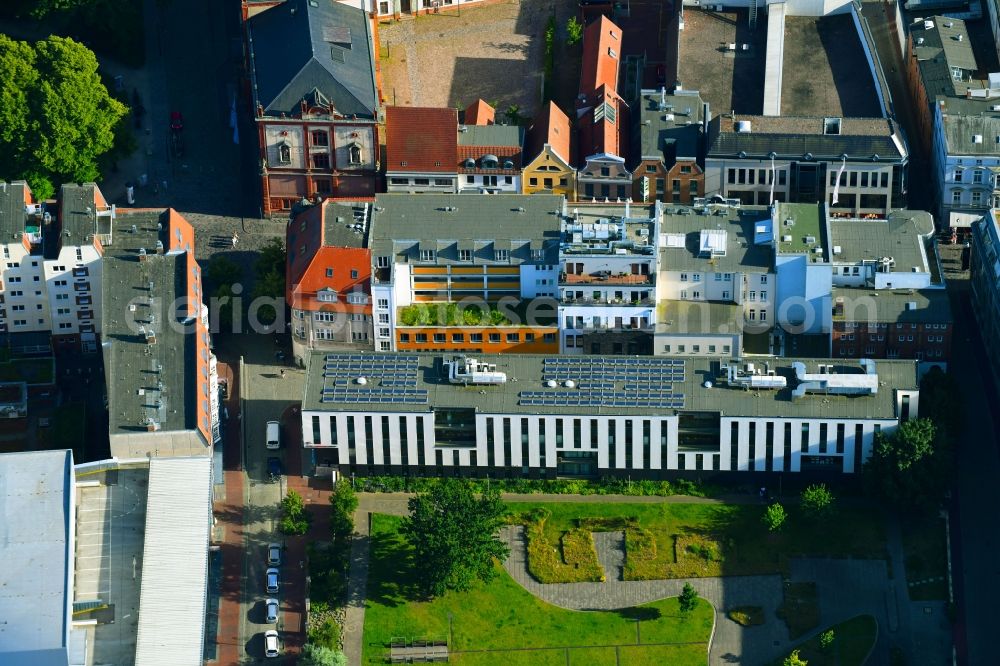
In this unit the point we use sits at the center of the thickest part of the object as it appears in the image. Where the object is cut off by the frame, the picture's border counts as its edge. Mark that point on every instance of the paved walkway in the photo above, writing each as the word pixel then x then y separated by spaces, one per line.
pixel 731 644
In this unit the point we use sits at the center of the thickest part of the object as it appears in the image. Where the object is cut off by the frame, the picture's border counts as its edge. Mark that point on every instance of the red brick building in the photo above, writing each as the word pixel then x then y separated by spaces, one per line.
pixel 912 324
pixel 315 95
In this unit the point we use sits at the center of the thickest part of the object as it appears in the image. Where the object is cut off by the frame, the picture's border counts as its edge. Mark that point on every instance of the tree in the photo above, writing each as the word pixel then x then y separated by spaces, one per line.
pixel 294 518
pixel 344 502
pixel 826 640
pixel 574 31
pixel 909 467
pixel 454 534
pixel 794 660
pixel 318 655
pixel 270 271
pixel 56 116
pixel 513 114
pixel 817 500
pixel 688 598
pixel 775 516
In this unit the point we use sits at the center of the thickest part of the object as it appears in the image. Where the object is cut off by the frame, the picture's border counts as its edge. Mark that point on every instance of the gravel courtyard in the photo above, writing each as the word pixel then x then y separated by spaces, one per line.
pixel 494 52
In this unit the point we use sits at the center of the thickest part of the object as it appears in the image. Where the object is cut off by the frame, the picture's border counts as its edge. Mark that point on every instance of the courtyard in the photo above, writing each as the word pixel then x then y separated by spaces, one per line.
pixel 494 52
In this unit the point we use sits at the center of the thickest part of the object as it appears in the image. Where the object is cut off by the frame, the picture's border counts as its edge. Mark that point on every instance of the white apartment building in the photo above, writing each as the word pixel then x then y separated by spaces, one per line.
pixel 52 264
pixel 607 281
pixel 518 416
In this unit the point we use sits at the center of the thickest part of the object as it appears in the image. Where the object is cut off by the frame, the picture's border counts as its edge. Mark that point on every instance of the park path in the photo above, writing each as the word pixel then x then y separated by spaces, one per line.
pixel 730 644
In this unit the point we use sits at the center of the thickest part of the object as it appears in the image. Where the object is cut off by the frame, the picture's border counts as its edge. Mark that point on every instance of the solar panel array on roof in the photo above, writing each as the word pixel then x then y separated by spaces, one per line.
pixel 610 382
pixel 387 379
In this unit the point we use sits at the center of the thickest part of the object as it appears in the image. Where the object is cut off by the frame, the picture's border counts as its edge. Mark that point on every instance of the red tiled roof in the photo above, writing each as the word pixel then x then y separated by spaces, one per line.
pixel 512 153
pixel 420 139
pixel 604 136
pixel 600 68
pixel 480 113
pixel 306 271
pixel 550 127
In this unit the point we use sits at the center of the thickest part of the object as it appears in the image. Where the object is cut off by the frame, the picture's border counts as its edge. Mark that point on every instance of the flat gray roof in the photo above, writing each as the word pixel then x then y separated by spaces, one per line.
pixel 741 253
pixel 945 45
pixel 699 317
pixel 962 131
pixel 13 217
pixel 404 223
pixel 825 71
pixel 671 132
pixel 146 381
pixel 330 377
pixel 36 507
pixel 729 81
pixel 928 306
pixel 901 237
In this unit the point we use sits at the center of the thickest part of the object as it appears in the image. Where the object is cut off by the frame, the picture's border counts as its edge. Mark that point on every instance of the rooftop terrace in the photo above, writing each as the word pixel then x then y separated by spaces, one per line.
pixel 799 228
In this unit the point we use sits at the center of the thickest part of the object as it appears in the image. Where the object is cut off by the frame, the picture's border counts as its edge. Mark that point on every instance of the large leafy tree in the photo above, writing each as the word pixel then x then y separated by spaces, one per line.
pixel 455 536
pixel 270 271
pixel 56 116
pixel 909 467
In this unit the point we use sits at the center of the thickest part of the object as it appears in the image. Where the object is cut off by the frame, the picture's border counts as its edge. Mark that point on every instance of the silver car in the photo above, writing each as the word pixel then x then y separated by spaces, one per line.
pixel 272 580
pixel 273 554
pixel 272 610
pixel 271 643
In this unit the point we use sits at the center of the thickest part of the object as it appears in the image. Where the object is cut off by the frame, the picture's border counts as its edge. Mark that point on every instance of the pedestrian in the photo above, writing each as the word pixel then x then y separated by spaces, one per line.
pixel 282 373
pixel 234 240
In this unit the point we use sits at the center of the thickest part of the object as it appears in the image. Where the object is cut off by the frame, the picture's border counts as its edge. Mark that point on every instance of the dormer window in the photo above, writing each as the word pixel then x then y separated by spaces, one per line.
pixel 327 296
pixel 427 255
pixel 508 164
pixel 284 153
pixel 354 151
pixel 469 163
pixel 490 162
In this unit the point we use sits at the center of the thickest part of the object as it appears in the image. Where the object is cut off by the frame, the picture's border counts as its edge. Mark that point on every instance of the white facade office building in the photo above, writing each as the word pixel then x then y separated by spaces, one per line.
pixel 598 415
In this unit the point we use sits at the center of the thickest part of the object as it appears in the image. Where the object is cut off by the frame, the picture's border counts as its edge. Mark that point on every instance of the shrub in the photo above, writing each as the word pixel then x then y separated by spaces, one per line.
pixel 294 518
pixel 602 486
pixel 746 616
pixel 702 550
pixel 325 634
pixel 826 640
pixel 817 500
pixel 607 524
pixel 574 31
pixel 775 517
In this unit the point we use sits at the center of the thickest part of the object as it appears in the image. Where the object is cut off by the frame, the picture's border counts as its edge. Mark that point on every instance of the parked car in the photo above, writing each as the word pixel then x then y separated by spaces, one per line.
pixel 272 580
pixel 272 436
pixel 272 610
pixel 271 643
pixel 273 554
pixel 274 468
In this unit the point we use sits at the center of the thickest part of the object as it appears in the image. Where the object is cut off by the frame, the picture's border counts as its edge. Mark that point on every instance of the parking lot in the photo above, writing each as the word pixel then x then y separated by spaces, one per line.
pixel 493 52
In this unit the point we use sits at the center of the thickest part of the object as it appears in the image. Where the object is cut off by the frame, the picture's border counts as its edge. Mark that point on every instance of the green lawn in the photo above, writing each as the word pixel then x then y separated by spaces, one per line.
pixel 503 616
pixel 925 546
pixel 853 640
pixel 694 540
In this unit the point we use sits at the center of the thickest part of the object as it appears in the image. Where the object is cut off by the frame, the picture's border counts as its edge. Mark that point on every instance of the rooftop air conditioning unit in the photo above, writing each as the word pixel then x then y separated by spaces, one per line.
pixel 837 249
pixel 977 138
pixel 786 239
pixel 817 250
pixel 731 46
pixel 810 240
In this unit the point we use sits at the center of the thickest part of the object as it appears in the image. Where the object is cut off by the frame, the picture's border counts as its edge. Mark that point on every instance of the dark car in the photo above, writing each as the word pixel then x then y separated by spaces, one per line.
pixel 274 468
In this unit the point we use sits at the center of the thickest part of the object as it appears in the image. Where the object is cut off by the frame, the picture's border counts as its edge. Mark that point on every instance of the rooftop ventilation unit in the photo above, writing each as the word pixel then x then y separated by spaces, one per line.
pixel 465 370
pixel 977 138
pixel 786 238
pixel 743 126
pixel 810 240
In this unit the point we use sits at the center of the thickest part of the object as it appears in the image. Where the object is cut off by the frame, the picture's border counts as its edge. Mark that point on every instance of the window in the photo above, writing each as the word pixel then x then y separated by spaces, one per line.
pixel 684 277
pixel 977 199
pixel 475 337
pixel 284 153
pixel 329 272
pixel 442 182
pixel 501 255
pixel 956 73
pixel 725 295
pixel 693 187
pixel 958 175
pixel 421 338
pixel 513 337
pixel 354 274
pixel 763 295
pixel 494 338
pixel 421 181
pixel 977 176
pixel 427 255
pixel 354 153
pixel 465 255
pixel 404 337
pixel 321 161
pixel 956 196
pixel 383 318
pixel 327 296
pixel 763 315
pixel 439 338
pixel 458 337
pixel 696 277
pixel 605 171
pixel 383 303
pixel 383 332
pixel 325 316
pixel 675 185
pixel 753 315
pixel 320 138
pixel 529 337
pixel 533 182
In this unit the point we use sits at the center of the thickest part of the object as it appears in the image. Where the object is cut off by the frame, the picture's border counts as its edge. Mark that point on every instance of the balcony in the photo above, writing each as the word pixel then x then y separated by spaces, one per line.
pixel 606 277
pixel 586 300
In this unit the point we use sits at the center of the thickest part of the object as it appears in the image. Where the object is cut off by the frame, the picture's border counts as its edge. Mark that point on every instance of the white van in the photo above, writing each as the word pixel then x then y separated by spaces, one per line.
pixel 273 435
